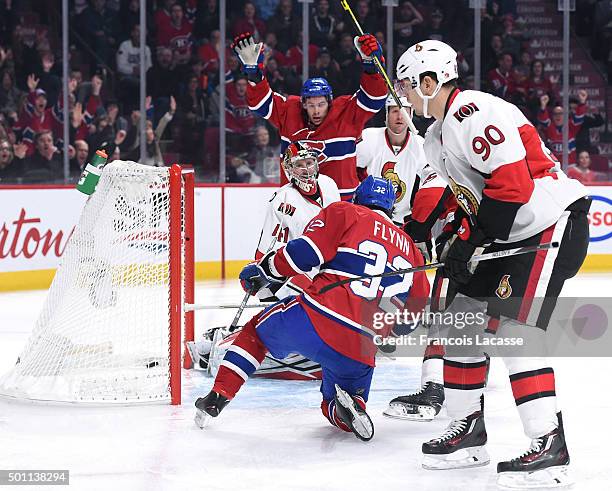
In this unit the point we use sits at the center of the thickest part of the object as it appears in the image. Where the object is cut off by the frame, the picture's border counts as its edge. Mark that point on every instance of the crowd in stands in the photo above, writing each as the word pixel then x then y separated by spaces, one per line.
pixel 182 71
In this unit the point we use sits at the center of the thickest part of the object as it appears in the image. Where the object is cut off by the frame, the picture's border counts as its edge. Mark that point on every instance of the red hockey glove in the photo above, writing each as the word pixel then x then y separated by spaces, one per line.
pixel 368 48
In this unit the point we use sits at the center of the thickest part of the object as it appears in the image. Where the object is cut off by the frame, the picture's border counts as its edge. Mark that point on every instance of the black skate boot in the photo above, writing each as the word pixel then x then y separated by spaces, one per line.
pixel 461 445
pixel 352 414
pixel 543 465
pixel 209 407
pixel 423 405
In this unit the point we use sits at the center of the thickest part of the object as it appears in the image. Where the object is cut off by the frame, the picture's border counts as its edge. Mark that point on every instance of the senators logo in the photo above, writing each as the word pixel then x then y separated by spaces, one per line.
pixel 504 290
pixel 418 48
pixel 465 198
pixel 287 209
pixel 388 172
pixel 465 111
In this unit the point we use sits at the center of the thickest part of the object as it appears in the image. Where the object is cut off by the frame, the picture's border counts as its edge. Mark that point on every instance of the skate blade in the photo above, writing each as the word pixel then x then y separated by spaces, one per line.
pixel 408 412
pixel 202 419
pixel 552 477
pixel 362 424
pixel 466 457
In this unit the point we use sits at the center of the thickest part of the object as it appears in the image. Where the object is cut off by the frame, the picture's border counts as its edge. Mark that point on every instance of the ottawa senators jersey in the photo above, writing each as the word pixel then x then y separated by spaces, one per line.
pixel 401 165
pixel 498 168
pixel 289 211
pixel 347 240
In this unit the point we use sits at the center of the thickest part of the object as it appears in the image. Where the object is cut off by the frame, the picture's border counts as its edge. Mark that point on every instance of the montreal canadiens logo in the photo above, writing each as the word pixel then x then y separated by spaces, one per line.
pixel 465 111
pixel 465 198
pixel 388 172
pixel 317 146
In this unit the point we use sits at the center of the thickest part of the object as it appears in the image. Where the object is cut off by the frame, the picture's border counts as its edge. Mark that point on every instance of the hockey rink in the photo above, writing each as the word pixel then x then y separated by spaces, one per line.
pixel 273 435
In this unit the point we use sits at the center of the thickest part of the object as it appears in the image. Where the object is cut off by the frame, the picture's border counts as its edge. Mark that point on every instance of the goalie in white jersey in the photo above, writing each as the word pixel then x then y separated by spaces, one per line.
pixel 289 210
pixel 512 193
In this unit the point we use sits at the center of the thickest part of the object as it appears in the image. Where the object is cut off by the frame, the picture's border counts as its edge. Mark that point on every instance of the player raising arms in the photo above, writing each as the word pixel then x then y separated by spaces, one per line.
pixel 335 329
pixel 513 193
pixel 289 211
pixel 315 115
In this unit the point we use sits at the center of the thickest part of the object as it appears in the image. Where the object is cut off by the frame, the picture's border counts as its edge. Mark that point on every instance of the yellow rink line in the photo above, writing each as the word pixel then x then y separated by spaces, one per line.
pixel 211 270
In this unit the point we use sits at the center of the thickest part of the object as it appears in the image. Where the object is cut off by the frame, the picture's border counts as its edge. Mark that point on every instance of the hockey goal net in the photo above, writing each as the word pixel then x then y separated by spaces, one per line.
pixel 110 329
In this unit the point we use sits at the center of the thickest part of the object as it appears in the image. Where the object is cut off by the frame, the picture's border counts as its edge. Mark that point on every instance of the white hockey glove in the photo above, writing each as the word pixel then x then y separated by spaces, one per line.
pixel 250 53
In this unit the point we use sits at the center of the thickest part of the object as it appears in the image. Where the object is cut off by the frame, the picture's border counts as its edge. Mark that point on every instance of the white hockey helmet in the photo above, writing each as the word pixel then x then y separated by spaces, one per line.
pixel 390 102
pixel 426 56
pixel 301 165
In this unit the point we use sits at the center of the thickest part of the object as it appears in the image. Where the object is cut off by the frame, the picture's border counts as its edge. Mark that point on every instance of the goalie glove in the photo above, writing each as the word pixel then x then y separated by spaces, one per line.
pixel 255 276
pixel 368 48
pixel 251 55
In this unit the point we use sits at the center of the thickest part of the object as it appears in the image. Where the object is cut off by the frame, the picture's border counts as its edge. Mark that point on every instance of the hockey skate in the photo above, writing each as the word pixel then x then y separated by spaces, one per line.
pixel 351 414
pixel 423 405
pixel 209 407
pixel 461 445
pixel 543 465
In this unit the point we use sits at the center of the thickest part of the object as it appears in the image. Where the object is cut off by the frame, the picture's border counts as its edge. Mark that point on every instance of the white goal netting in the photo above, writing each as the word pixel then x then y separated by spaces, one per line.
pixel 103 334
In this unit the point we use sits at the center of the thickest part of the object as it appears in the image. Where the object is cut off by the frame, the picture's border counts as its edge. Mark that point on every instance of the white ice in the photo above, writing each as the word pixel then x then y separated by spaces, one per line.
pixel 273 436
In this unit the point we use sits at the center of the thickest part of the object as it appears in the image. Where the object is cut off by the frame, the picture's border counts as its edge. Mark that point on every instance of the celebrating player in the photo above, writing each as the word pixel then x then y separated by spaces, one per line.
pixel 335 329
pixel 513 193
pixel 288 213
pixel 336 123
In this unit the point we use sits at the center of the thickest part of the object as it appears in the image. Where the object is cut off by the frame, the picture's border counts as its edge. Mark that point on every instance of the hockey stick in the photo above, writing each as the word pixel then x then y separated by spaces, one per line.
pixel 381 70
pixel 196 306
pixel 482 257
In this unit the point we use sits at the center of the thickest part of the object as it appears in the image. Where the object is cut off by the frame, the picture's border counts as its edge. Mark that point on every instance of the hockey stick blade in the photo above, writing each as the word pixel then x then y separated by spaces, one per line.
pixel 483 257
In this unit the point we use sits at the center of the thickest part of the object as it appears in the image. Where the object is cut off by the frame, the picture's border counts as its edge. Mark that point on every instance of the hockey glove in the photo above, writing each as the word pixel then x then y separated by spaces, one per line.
pixel 255 276
pixel 251 55
pixel 420 233
pixel 368 48
pixel 469 239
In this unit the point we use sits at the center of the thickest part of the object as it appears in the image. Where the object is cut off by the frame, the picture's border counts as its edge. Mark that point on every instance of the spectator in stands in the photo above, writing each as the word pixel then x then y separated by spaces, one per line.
pixel 192 112
pixel 176 35
pixel 163 14
pixel 492 53
pixel 501 79
pixel 350 64
pixel 552 126
pixel 281 80
pixel 82 117
pixel 582 170
pixel 435 28
pixel 294 53
pixel 130 16
pixel 323 25
pixel 10 96
pixel 11 161
pixel 511 39
pixel 266 8
pixel 80 159
pixel 250 23
pixel 523 69
pixel 153 150
pixel 209 54
pixel 583 138
pixel 239 171
pixel 45 164
pixel 327 68
pixel 8 21
pixel 48 80
pixel 99 27
pixel 263 157
pixel 285 23
pixel 35 116
pixel 405 26
pixel 162 81
pixel 539 84
pixel 271 49
pixel 368 21
pixel 206 20
pixel 128 68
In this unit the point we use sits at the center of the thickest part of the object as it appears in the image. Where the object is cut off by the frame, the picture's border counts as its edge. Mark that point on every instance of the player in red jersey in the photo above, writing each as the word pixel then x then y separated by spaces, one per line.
pixel 314 115
pixel 337 329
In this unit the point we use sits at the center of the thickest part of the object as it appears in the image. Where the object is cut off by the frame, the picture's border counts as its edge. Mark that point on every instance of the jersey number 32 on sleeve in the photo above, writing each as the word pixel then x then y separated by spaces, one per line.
pixel 369 288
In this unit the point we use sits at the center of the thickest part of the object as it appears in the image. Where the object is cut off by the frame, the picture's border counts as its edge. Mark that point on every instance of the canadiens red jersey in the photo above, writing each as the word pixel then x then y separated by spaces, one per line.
pixel 347 240
pixel 337 133
pixel 554 133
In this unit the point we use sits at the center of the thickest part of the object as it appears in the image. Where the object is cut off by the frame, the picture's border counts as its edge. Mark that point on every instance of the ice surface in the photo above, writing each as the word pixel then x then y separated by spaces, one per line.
pixel 273 436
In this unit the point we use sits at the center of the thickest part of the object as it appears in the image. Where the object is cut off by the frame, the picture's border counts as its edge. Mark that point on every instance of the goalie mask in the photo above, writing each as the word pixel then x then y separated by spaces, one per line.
pixel 301 166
